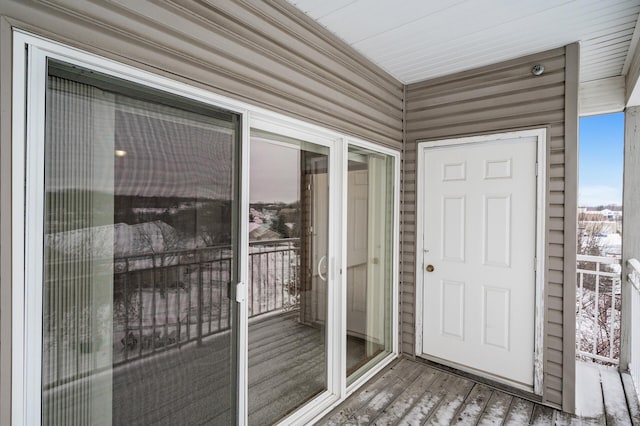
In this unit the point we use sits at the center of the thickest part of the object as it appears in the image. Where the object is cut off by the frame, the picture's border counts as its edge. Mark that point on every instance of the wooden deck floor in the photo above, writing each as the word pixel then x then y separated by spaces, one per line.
pixel 191 385
pixel 414 393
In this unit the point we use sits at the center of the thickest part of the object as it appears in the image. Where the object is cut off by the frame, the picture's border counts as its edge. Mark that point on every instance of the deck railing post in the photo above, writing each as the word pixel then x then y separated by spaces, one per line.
pixel 633 280
pixel 199 304
pixel 596 310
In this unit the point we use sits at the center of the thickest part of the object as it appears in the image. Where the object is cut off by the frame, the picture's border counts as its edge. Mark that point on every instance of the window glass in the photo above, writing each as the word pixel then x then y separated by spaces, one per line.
pixel 139 254
pixel 288 250
pixel 369 269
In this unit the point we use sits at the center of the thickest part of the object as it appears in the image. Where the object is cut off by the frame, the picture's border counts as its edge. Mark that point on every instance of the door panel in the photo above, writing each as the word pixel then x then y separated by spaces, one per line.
pixel 140 251
pixel 479 237
pixel 288 350
pixel 369 257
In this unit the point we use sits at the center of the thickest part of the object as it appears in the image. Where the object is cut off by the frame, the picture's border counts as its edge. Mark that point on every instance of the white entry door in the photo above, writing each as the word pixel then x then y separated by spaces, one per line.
pixel 479 223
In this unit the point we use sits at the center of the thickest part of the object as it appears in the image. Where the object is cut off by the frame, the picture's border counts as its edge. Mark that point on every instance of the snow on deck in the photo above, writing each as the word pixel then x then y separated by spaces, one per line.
pixel 413 392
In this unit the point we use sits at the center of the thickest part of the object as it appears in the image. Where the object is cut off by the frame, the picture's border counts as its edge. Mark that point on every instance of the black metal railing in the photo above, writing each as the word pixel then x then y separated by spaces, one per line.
pixel 174 298
pixel 274 276
pixel 168 299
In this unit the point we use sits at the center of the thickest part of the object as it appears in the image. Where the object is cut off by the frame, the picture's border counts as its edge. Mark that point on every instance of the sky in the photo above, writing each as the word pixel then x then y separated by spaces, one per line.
pixel 601 160
pixel 275 173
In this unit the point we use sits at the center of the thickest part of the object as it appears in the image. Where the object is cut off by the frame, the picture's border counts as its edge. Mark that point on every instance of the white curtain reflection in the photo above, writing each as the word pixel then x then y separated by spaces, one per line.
pixel 78 292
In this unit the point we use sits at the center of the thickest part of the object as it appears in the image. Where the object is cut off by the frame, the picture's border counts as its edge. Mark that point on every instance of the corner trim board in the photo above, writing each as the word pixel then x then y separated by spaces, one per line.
pixel 572 79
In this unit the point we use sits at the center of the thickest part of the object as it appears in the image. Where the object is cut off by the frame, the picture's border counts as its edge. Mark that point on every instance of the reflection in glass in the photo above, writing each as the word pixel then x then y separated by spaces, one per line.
pixel 287 295
pixel 369 259
pixel 140 200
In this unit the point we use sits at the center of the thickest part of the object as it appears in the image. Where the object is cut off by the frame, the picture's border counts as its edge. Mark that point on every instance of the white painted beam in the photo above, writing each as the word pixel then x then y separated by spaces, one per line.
pixel 631 71
pixel 601 96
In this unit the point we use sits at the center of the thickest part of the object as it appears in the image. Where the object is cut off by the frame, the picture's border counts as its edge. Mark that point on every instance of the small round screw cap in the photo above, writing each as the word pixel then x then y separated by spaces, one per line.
pixel 537 69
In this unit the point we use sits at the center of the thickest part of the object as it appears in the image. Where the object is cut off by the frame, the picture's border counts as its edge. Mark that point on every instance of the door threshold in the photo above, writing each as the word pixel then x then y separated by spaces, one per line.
pixel 512 390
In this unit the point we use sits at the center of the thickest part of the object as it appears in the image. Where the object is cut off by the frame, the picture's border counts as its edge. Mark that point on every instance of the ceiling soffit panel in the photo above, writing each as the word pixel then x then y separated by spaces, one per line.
pixel 416 40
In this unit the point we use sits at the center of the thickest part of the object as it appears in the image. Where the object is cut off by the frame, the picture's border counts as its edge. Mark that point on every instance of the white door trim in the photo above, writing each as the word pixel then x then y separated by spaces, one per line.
pixel 541 191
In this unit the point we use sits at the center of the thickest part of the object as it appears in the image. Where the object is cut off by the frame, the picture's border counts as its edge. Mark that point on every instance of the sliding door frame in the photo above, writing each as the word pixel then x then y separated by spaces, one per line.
pixel 272 123
pixel 30 54
pixel 395 262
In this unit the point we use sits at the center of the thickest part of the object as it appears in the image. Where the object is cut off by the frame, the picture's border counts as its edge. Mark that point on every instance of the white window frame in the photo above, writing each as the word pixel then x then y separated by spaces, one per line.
pixel 395 262
pixel 30 53
pixel 29 83
pixel 272 123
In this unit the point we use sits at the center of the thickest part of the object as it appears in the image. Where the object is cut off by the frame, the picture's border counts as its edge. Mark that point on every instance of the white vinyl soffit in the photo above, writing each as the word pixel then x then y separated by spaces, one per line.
pixel 417 40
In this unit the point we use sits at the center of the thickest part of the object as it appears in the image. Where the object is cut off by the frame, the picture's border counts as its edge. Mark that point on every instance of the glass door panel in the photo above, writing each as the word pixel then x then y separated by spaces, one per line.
pixel 370 195
pixel 140 251
pixel 287 292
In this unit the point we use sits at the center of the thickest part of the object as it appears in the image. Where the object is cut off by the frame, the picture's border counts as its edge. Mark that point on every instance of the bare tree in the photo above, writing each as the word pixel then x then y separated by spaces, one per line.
pixel 598 301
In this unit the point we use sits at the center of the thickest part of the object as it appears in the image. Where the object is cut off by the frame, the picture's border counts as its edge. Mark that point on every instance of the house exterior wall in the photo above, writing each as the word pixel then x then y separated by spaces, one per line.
pixel 268 54
pixel 493 99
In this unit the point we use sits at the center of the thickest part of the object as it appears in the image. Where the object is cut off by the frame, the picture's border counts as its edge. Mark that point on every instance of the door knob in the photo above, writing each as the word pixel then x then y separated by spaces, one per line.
pixel 430 268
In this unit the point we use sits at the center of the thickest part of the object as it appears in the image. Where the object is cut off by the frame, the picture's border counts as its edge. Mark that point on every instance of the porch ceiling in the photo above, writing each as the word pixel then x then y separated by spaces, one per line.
pixel 416 40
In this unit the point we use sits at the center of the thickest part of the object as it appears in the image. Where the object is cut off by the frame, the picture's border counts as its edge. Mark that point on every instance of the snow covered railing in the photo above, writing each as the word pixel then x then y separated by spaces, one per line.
pixel 598 309
pixel 634 279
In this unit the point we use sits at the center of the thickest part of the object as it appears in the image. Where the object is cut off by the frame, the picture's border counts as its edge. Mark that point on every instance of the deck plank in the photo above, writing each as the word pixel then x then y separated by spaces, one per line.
pixel 542 415
pixel 615 401
pixel 456 394
pixel 519 412
pixel 473 406
pixel 394 412
pixel 384 398
pixel 293 354
pixel 589 401
pixel 442 397
pixel 566 419
pixel 496 410
pixel 389 376
pixel 428 401
pixel 632 398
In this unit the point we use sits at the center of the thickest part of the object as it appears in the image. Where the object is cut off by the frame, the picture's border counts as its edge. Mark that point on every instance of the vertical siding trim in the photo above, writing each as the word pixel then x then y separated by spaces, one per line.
pixel 400 253
pixel 570 225
pixel 6 55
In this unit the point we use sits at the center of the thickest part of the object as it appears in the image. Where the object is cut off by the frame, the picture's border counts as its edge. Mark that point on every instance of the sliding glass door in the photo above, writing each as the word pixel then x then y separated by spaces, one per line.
pixel 370 247
pixel 140 252
pixel 288 281
pixel 188 263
